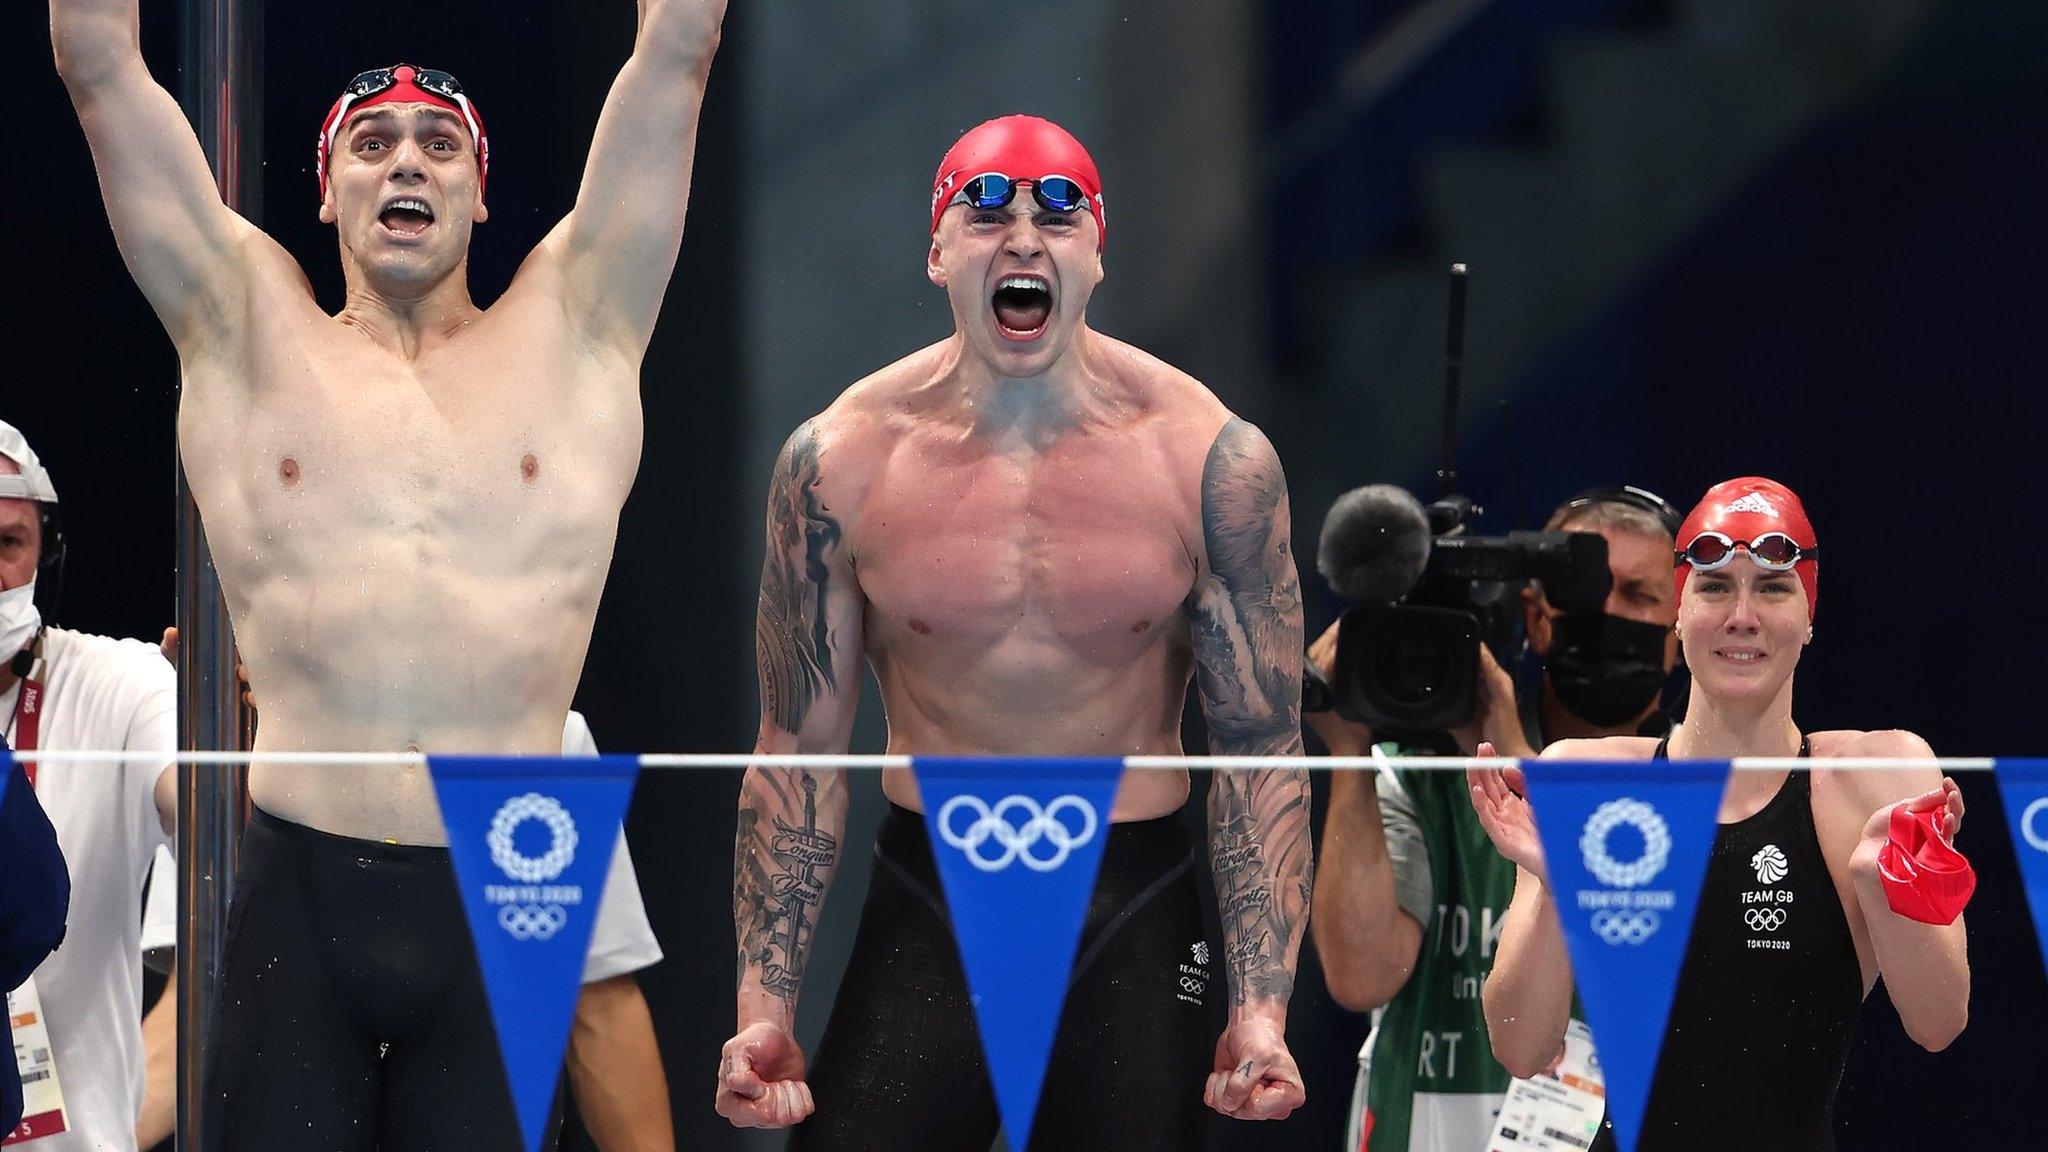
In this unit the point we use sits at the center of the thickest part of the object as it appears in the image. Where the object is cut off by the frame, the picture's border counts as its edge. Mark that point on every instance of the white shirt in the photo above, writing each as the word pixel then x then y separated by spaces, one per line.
pixel 621 941
pixel 104 695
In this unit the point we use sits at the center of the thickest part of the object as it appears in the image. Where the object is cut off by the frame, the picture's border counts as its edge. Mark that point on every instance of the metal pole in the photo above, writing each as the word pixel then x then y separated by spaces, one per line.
pixel 221 89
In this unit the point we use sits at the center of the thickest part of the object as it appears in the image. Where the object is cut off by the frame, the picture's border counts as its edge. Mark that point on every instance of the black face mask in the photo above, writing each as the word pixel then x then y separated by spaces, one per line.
pixel 1605 669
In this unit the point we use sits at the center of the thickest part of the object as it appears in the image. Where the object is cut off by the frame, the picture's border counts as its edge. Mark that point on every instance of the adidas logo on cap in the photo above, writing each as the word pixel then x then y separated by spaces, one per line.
pixel 1754 502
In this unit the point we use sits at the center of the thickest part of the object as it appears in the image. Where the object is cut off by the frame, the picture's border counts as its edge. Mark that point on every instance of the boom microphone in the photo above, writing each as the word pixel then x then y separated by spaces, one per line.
pixel 1375 544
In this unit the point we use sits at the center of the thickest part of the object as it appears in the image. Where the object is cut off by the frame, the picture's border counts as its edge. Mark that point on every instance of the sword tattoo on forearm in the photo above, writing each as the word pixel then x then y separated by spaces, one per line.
pixel 1245 618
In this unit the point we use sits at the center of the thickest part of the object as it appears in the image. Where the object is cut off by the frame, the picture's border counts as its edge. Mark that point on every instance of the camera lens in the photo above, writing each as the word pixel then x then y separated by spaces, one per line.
pixel 1411 665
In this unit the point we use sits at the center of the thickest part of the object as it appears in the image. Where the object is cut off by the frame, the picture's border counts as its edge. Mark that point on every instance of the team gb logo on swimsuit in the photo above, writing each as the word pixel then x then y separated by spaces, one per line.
pixel 1623 913
pixel 532 909
pixel 1770 864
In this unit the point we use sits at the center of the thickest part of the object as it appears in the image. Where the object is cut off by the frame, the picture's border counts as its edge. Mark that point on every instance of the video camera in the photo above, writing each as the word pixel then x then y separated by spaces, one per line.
pixel 1428 592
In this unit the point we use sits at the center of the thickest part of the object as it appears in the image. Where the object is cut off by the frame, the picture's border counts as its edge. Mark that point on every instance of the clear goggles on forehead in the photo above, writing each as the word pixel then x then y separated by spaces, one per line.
pixel 995 190
pixel 1772 551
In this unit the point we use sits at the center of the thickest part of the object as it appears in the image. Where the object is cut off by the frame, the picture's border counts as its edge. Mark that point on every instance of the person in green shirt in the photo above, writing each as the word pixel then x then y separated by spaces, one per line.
pixel 1410 892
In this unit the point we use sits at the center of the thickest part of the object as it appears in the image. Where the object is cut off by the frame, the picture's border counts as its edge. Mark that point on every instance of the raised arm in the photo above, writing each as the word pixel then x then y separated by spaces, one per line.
pixel 1926 967
pixel 618 246
pixel 807 644
pixel 180 242
pixel 1246 628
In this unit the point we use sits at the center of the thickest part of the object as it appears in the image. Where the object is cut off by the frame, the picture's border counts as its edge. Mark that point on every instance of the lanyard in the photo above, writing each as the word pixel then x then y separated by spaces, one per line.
pixel 28 719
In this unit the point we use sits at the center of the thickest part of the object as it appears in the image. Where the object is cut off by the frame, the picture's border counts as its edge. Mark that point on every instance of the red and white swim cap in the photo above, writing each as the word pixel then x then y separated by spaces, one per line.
pixel 1744 509
pixel 403 84
pixel 1021 148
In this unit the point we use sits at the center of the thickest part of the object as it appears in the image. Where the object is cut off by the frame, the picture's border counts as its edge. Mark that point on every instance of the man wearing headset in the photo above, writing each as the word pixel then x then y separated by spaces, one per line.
pixel 1410 892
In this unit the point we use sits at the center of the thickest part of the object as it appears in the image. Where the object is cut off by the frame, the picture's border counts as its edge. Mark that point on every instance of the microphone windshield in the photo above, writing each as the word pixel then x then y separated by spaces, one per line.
pixel 1375 543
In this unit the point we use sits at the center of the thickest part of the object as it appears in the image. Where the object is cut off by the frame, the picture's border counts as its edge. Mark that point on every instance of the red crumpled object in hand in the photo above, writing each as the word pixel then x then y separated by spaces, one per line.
pixel 1924 877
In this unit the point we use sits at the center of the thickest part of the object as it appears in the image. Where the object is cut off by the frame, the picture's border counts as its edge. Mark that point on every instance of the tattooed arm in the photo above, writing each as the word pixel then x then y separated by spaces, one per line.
pixel 807 644
pixel 1246 625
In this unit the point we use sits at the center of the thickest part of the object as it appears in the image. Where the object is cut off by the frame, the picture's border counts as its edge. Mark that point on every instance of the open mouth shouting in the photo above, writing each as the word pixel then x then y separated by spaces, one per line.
pixel 406 217
pixel 1023 306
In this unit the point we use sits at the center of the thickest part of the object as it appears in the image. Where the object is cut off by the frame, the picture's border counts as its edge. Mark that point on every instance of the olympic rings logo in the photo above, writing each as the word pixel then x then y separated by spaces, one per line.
pixel 1016 840
pixel 1764 919
pixel 532 921
pixel 1626 927
pixel 1192 986
pixel 1656 843
pixel 532 869
pixel 2035 840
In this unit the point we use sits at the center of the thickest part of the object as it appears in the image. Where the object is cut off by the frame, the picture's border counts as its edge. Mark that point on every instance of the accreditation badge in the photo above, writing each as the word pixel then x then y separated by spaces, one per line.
pixel 1555 1113
pixel 42 1111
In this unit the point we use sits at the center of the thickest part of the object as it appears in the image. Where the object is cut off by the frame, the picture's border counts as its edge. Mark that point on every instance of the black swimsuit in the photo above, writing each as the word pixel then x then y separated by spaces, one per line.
pixel 1768 998
pixel 900 1067
pixel 353 1015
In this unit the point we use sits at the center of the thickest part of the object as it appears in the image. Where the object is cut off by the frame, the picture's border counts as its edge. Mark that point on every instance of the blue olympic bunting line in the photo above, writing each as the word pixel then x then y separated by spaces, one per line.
pixel 1019 841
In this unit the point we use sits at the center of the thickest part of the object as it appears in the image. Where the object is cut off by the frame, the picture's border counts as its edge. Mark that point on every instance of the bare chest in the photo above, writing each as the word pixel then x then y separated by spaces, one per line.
pixel 493 438
pixel 1092 551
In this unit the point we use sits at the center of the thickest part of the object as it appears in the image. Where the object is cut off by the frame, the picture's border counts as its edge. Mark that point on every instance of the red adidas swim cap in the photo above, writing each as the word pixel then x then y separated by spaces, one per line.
pixel 1744 509
pixel 403 84
pixel 1021 148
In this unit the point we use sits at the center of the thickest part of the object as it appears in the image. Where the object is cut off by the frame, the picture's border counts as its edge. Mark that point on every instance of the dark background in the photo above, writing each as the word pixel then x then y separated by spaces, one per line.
pixel 1858 315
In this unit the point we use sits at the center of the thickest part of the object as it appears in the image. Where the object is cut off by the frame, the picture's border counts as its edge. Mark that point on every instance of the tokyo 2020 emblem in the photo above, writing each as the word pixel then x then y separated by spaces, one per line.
pixel 561 847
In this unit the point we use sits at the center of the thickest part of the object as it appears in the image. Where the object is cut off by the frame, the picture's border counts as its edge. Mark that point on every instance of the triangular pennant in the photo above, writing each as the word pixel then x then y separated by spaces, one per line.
pixel 1626 844
pixel 1018 842
pixel 2023 786
pixel 532 839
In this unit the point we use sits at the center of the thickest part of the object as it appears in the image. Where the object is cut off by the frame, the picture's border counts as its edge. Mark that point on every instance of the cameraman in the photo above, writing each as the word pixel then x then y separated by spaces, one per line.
pixel 1402 851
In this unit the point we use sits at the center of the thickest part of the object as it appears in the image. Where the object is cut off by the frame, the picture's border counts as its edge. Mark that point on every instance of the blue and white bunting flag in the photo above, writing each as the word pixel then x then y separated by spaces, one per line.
pixel 532 839
pixel 2023 787
pixel 1626 845
pixel 1018 843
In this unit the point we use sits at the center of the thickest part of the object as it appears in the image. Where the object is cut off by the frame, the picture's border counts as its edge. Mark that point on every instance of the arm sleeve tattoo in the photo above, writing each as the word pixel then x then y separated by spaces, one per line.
pixel 784 854
pixel 792 634
pixel 806 638
pixel 1246 627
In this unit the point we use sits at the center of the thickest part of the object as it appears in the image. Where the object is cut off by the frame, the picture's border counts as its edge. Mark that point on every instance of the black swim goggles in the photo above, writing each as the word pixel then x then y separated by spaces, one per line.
pixel 995 190
pixel 1772 552
pixel 378 80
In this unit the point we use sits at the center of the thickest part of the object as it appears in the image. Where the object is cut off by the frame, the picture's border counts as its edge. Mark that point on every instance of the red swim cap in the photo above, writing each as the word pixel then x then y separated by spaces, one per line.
pixel 1022 148
pixel 401 84
pixel 1744 509
pixel 1923 875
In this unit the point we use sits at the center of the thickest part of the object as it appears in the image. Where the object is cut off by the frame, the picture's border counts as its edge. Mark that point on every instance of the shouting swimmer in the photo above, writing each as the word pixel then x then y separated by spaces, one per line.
pixel 412 505
pixel 1036 535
